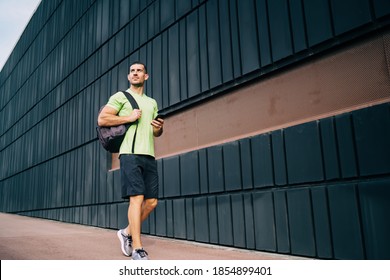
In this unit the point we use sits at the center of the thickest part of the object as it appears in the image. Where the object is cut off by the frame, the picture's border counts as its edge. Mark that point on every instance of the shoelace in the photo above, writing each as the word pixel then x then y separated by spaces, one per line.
pixel 142 252
pixel 129 239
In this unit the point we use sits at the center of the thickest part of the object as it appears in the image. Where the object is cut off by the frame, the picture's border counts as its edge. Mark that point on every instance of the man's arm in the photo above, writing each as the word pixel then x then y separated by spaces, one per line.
pixel 108 117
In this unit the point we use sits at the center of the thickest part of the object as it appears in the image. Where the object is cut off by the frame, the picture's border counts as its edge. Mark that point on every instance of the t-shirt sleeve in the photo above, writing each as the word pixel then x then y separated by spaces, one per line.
pixel 155 113
pixel 115 102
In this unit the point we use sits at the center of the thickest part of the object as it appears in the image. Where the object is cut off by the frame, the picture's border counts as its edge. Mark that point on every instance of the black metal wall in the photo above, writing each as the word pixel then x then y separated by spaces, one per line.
pixel 320 189
pixel 297 197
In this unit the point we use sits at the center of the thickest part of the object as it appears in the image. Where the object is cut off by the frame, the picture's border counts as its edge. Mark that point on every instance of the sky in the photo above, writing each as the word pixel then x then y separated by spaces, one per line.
pixel 14 16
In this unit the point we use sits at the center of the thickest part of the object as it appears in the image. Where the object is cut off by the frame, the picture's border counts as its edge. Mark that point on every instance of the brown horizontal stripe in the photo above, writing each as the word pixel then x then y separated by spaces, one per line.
pixel 344 81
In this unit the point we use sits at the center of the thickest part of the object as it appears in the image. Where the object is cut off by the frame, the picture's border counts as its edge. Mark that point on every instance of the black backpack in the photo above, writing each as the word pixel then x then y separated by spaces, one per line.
pixel 111 137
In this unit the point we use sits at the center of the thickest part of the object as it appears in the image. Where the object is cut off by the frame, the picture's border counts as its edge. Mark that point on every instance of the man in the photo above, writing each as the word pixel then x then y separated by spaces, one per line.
pixel 139 169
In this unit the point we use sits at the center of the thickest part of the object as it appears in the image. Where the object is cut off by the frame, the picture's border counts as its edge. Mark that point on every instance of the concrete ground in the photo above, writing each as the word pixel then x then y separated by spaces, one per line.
pixel 26 238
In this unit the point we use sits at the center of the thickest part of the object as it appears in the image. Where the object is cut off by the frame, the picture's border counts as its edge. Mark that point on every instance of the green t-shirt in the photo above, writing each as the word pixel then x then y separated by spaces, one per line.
pixel 144 142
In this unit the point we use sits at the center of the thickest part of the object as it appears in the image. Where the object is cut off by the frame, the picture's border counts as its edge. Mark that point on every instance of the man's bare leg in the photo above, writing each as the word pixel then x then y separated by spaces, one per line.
pixel 143 211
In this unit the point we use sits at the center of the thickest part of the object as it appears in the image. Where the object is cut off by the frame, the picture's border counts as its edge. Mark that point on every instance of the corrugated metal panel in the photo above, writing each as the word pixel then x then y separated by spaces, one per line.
pixel 301 225
pixel 303 142
pixel 371 129
pixel 374 201
pixel 321 220
pixel 262 161
pixel 345 223
pixel 264 221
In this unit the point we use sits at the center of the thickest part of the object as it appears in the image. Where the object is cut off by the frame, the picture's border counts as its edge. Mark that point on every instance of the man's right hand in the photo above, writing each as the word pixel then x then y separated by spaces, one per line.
pixel 135 115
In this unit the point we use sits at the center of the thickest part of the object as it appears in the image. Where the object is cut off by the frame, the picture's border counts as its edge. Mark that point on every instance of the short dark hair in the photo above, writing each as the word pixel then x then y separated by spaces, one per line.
pixel 139 62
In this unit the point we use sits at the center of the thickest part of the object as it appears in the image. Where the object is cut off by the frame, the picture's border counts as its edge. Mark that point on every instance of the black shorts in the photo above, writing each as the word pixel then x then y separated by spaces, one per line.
pixel 139 176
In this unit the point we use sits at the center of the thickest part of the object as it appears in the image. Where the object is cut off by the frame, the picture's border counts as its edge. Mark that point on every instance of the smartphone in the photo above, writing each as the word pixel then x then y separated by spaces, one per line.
pixel 160 116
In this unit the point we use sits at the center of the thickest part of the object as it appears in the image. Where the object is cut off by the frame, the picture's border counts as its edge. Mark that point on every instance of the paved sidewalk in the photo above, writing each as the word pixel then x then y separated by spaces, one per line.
pixel 26 238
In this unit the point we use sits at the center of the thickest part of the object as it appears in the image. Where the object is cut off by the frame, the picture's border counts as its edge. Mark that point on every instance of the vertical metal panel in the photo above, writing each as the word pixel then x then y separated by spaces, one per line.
pixel 153 19
pixel 215 169
pixel 190 222
pixel 201 221
pixel 189 173
pixel 145 226
pixel 371 127
pixel 114 18
pixel 85 217
pixel 213 43
pixel 161 218
pixel 346 145
pixel 156 71
pixel 374 199
pixel 247 33
pixel 226 49
pixel 349 14
pixel 167 10
pixel 262 161
pixel 165 70
pixel 143 27
pixel 329 149
pixel 280 29
pixel 298 28
pixel 160 171
pixel 119 46
pixel 263 33
pixel 179 218
pixel 152 223
pixel 303 153
pixel 322 222
pixel 238 220
pixel 281 222
pixel 76 218
pixel 204 62
pixel 172 176
pixel 225 220
pixel 279 157
pixel 345 223
pixel 174 64
pixel 301 224
pixel 193 55
pixel 183 60
pixel 246 164
pixel 169 218
pixel 117 185
pixel 381 7
pixel 136 30
pixel 318 21
pixel 232 166
pixel 234 33
pixel 265 232
pixel 102 217
pixel 250 238
pixel 182 7
pixel 113 215
pixel 203 171
pixel 123 221
pixel 87 179
pixel 212 219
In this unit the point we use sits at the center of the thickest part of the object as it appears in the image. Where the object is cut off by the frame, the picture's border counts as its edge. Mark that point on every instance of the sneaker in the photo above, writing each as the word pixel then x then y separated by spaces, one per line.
pixel 140 255
pixel 126 242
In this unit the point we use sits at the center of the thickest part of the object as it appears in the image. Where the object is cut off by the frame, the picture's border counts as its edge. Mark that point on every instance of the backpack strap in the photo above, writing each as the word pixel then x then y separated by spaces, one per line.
pixel 134 104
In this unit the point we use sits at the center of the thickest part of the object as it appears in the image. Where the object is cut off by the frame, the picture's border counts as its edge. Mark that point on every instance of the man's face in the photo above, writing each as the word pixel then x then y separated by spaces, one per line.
pixel 137 75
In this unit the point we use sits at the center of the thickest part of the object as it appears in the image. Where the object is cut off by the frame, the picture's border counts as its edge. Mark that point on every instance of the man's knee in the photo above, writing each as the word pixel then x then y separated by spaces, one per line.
pixel 151 203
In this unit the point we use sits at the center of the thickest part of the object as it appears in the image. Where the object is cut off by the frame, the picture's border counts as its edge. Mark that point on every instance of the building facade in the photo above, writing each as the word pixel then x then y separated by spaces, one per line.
pixel 277 131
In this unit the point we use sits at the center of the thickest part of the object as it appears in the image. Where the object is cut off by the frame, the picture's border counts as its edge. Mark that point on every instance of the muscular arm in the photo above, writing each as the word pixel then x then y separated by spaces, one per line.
pixel 108 117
